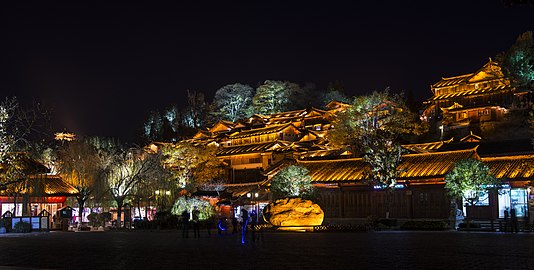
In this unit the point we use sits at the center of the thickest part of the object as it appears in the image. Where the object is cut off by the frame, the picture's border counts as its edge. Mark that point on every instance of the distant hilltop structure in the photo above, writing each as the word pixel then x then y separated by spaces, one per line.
pixel 65 136
pixel 473 102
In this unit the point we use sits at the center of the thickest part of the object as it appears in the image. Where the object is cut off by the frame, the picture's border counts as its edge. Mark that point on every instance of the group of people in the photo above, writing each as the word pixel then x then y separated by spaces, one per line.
pixel 195 220
pixel 246 220
pixel 510 219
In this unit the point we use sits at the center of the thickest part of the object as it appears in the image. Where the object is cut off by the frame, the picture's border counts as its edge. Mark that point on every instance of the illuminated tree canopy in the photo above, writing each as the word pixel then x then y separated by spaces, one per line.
pixel 470 179
pixel 233 101
pixel 171 125
pixel 531 120
pixel 188 204
pixel 518 61
pixel 372 127
pixel 79 165
pixel 291 182
pixel 192 165
pixel 126 168
pixel 273 97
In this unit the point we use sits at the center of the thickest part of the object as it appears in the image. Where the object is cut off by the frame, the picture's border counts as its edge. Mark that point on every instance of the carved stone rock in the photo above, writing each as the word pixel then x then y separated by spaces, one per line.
pixel 293 212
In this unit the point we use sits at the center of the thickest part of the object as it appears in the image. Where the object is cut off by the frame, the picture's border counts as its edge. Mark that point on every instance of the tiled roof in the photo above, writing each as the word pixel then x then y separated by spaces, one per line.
pixel 27 164
pixel 425 147
pixel 56 186
pixel 511 167
pixel 247 148
pixel 296 113
pixel 429 165
pixel 452 80
pixel 238 190
pixel 354 169
pixel 287 117
pixel 259 131
pixel 413 166
pixel 47 185
pixel 469 92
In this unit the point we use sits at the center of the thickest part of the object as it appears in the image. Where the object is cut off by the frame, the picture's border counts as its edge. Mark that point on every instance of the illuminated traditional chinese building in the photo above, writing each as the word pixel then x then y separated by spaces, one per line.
pixel 346 193
pixel 36 191
pixel 257 148
pixel 466 101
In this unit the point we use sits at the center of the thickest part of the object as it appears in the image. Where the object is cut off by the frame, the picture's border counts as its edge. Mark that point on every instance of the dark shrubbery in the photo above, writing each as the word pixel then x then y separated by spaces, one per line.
pixel 388 222
pixel 472 225
pixel 104 217
pixel 425 225
pixel 166 220
pixel 143 224
pixel 93 217
pixel 99 219
pixel 22 227
pixel 341 228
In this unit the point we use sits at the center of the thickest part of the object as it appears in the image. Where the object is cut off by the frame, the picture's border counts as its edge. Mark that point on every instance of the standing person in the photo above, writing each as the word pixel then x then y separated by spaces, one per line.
pixel 234 225
pixel 244 217
pixel 506 219
pixel 185 224
pixel 513 218
pixel 253 223
pixel 196 222
pixel 209 223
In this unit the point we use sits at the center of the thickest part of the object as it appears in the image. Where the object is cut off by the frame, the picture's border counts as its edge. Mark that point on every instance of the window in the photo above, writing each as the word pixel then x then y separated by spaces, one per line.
pixel 483 112
pixel 254 160
pixel 483 197
pixel 518 200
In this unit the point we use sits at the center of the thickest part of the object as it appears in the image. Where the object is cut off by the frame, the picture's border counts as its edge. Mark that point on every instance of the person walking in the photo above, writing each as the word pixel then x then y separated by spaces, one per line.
pixel 185 224
pixel 513 219
pixel 244 217
pixel 196 222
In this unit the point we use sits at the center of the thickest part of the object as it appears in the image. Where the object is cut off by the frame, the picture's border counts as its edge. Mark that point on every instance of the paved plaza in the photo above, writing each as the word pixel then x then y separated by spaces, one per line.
pixel 278 250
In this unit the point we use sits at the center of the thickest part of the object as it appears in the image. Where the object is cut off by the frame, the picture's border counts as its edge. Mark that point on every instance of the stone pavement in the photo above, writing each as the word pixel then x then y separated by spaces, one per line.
pixel 278 250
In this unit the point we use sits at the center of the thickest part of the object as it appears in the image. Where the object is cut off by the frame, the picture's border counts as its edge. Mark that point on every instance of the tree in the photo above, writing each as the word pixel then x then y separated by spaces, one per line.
pixel 305 97
pixel 335 91
pixel 518 61
pixel 192 165
pixel 372 127
pixel 172 125
pixel 188 204
pixel 196 112
pixel 7 140
pixel 18 126
pixel 126 168
pixel 153 127
pixel 79 165
pixel 470 180
pixel 531 120
pixel 273 97
pixel 293 181
pixel 233 101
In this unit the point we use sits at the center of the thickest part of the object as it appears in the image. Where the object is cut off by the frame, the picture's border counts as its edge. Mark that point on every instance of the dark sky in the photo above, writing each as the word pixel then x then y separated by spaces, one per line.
pixel 104 67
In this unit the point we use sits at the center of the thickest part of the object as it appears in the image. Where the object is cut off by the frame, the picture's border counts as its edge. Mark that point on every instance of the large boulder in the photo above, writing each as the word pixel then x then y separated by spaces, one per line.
pixel 293 212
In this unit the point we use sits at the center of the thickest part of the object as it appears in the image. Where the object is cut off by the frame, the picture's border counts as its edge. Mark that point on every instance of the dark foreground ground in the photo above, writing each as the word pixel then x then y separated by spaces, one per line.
pixel 167 250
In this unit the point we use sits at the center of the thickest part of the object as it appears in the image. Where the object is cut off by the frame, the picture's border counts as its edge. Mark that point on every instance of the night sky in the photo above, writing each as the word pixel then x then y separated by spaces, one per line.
pixel 102 68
